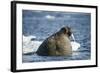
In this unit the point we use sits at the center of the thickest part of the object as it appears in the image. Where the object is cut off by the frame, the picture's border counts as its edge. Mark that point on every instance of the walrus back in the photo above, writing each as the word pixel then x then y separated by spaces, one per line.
pixel 43 49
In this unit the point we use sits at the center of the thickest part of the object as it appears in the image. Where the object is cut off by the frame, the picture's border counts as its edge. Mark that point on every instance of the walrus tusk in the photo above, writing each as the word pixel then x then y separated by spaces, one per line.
pixel 75 45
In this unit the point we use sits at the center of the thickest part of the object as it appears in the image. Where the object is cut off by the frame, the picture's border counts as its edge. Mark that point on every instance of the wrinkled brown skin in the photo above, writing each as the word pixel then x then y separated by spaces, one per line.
pixel 57 44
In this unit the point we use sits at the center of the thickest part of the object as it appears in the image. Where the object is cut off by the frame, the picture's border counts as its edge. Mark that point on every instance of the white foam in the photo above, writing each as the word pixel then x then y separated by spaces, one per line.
pixel 28 45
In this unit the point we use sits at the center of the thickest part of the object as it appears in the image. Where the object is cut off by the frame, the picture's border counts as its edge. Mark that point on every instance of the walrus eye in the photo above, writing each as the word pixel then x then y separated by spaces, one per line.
pixel 64 30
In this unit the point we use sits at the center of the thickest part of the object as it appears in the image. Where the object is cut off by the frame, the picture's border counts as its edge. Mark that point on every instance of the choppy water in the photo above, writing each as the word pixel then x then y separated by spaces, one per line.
pixel 44 23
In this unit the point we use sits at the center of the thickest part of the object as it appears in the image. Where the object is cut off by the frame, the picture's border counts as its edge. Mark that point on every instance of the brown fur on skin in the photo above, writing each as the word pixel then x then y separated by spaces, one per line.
pixel 57 44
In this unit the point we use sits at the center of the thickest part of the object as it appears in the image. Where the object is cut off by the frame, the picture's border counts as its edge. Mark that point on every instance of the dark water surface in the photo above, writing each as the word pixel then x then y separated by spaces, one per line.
pixel 44 23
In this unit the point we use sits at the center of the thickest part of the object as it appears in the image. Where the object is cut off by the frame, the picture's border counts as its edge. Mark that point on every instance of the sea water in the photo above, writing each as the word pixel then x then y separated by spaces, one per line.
pixel 42 24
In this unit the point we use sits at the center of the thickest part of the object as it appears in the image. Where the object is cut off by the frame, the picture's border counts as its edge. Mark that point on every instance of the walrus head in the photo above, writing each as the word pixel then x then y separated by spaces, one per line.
pixel 66 30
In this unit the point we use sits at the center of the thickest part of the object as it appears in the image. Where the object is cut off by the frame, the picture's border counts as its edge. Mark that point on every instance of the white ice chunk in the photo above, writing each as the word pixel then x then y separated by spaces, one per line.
pixel 75 46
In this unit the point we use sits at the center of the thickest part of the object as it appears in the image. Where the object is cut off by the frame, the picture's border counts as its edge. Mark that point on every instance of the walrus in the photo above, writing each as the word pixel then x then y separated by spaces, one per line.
pixel 57 44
